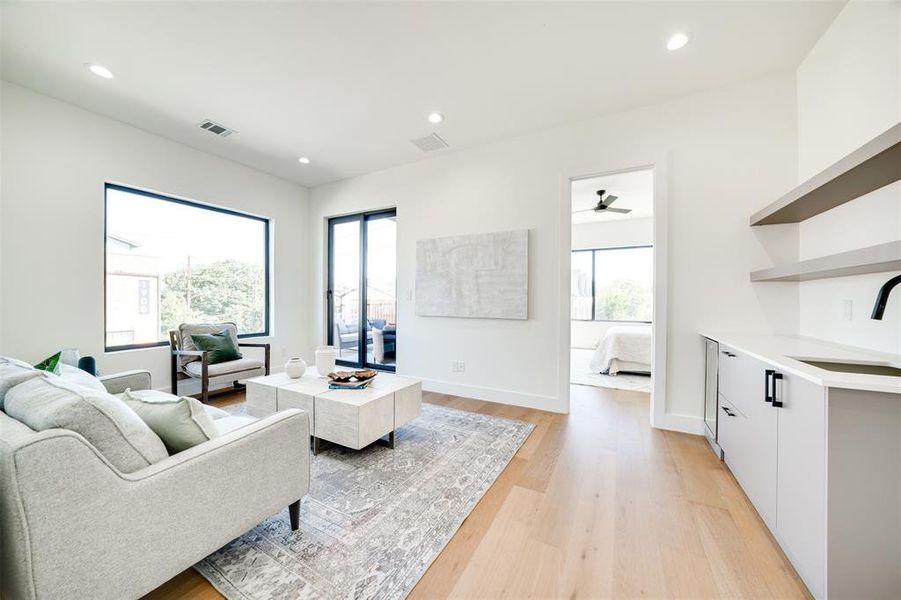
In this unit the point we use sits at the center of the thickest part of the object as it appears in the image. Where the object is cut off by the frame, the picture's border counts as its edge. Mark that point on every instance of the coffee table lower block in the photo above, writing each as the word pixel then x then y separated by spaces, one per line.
pixel 353 418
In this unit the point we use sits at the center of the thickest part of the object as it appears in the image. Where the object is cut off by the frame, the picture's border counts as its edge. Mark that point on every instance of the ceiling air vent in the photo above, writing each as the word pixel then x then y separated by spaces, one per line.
pixel 213 127
pixel 429 143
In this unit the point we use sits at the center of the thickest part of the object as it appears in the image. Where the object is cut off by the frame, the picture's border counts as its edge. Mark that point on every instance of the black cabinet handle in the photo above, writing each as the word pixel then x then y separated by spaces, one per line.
pixel 767 397
pixel 729 354
pixel 776 403
pixel 727 411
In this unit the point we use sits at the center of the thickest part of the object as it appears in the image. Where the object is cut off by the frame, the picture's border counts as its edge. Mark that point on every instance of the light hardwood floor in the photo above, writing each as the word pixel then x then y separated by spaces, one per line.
pixel 597 504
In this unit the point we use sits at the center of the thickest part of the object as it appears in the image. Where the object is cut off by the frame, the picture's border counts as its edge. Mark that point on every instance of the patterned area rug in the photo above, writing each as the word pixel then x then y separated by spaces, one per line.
pixel 580 374
pixel 374 519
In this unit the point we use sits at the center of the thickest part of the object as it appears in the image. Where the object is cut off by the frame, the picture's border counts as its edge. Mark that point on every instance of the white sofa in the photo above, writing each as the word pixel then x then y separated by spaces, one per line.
pixel 72 525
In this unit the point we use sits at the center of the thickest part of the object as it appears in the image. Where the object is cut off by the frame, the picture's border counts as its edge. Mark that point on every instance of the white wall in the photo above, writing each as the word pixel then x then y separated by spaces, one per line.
pixel 729 151
pixel 55 160
pixel 611 234
pixel 849 91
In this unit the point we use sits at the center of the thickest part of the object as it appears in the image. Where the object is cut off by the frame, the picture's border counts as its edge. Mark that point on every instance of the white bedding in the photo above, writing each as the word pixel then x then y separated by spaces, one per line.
pixel 623 348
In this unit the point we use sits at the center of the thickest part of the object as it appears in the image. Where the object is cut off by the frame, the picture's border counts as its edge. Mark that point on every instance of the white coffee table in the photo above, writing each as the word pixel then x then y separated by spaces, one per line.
pixel 351 418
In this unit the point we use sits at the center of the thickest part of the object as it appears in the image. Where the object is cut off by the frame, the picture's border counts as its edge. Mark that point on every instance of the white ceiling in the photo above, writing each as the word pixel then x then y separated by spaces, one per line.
pixel 633 189
pixel 349 84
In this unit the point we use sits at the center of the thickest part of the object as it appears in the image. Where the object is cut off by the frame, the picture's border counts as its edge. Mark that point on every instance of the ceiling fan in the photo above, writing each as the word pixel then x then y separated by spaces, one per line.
pixel 604 204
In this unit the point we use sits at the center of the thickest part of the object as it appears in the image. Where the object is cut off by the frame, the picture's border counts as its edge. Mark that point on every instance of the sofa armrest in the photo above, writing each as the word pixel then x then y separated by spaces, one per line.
pixel 136 379
pixel 135 531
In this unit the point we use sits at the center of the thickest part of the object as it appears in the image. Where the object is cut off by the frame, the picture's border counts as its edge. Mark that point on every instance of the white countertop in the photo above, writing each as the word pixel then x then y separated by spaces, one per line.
pixel 778 351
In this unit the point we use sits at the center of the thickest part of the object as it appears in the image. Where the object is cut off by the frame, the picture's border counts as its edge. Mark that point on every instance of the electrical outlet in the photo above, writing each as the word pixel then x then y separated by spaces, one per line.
pixel 847 310
pixel 458 366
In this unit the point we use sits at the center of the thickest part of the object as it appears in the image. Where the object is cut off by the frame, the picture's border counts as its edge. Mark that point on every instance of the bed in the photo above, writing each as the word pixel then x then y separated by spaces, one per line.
pixel 624 348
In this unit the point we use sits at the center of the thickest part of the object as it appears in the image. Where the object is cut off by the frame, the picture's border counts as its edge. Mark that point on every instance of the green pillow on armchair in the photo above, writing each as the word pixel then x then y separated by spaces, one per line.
pixel 221 346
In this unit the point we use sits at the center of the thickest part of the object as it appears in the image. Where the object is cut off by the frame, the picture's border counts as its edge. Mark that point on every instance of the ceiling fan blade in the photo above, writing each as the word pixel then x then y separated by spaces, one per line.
pixel 621 211
pixel 583 210
pixel 610 199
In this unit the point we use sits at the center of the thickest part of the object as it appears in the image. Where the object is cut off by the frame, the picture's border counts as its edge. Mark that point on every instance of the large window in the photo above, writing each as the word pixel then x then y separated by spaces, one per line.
pixel 612 284
pixel 171 261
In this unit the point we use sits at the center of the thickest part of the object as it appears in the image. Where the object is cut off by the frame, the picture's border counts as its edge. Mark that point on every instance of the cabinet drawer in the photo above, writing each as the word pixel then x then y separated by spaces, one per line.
pixel 741 379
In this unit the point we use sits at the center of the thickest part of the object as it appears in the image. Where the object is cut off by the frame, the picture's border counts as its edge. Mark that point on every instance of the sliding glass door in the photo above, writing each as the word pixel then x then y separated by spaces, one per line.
pixel 362 289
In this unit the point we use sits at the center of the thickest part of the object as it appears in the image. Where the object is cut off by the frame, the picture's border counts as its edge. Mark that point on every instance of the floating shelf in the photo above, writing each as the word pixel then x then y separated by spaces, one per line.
pixel 872 166
pixel 873 259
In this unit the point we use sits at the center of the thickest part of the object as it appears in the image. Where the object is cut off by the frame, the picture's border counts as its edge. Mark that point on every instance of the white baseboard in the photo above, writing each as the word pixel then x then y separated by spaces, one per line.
pixel 548 403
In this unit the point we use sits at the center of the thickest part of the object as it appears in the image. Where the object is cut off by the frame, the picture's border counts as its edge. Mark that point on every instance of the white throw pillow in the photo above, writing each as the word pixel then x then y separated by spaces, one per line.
pixel 47 402
pixel 79 377
pixel 12 373
pixel 181 423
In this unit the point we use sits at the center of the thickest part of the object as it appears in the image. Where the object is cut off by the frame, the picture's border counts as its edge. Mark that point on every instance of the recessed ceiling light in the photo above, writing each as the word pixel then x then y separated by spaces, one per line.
pixel 303 160
pixel 436 117
pixel 676 41
pixel 100 71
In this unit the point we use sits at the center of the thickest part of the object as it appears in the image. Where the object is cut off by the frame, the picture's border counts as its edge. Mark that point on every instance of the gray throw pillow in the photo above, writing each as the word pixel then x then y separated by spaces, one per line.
pixel 181 423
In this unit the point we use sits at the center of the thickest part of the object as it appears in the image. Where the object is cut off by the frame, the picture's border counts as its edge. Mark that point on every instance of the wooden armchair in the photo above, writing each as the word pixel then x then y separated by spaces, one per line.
pixel 187 362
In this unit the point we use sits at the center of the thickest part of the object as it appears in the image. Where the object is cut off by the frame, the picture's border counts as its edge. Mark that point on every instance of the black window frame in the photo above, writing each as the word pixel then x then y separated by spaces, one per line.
pixel 194 204
pixel 594 284
pixel 363 219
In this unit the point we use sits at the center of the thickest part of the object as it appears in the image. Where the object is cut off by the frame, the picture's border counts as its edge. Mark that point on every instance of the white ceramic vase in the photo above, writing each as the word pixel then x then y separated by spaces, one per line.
pixel 325 359
pixel 295 367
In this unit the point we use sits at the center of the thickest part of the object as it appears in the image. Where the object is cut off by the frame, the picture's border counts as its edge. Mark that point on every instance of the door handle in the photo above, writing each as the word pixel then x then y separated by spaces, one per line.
pixel 727 411
pixel 776 403
pixel 766 385
pixel 729 354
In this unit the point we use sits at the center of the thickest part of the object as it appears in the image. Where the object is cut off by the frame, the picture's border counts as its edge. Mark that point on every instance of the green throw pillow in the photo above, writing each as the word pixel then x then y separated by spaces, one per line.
pixel 221 346
pixel 181 423
pixel 50 364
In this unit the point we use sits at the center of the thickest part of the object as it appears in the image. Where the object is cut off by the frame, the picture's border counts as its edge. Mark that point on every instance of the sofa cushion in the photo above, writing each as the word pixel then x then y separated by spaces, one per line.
pixel 181 423
pixel 76 376
pixel 12 373
pixel 186 330
pixel 214 412
pixel 219 346
pixel 227 424
pixel 48 402
pixel 233 366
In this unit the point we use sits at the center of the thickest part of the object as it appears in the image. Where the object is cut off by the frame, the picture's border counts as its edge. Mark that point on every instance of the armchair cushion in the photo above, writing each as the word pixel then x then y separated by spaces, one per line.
pixel 48 402
pixel 224 368
pixel 220 346
pixel 181 423
pixel 186 330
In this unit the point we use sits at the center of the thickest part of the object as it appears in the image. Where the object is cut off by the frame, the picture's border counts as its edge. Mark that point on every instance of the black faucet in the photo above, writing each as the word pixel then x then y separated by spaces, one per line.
pixel 882 297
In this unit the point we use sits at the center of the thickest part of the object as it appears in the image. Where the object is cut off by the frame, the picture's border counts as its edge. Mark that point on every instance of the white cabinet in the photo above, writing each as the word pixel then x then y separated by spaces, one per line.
pixel 772 433
pixel 801 480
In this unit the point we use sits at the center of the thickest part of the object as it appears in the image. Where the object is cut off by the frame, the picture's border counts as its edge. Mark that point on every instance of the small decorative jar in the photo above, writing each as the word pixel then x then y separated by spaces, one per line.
pixel 295 367
pixel 325 359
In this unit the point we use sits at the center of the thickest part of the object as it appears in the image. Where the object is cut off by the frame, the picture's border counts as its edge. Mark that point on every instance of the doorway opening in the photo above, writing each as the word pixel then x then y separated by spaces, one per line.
pixel 612 280
pixel 362 289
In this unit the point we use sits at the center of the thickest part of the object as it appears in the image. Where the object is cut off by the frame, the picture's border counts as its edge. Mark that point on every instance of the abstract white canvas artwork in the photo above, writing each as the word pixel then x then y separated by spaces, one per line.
pixel 484 276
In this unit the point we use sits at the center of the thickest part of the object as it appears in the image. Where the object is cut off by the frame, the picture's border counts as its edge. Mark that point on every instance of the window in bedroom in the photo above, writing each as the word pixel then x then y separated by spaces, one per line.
pixel 613 284
pixel 172 261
